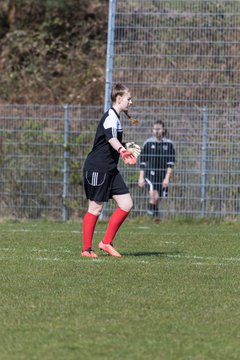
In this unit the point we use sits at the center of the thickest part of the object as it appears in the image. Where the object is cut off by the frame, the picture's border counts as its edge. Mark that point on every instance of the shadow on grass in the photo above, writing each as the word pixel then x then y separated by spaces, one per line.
pixel 153 253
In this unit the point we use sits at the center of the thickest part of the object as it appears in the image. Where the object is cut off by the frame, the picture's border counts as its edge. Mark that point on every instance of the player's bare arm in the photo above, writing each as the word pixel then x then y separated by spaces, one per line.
pixel 141 181
pixel 115 143
pixel 166 180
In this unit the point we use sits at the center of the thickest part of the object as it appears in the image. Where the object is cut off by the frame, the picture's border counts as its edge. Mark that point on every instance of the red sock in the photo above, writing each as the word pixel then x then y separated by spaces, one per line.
pixel 114 224
pixel 89 222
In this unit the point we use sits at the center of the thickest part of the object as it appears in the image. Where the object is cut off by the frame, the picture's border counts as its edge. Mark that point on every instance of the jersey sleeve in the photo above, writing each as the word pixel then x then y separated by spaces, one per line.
pixel 143 157
pixel 171 156
pixel 110 126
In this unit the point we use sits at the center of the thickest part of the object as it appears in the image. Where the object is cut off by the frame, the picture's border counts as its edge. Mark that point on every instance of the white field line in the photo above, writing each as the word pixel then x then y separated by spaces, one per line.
pixel 80 260
pixel 202 257
pixel 38 250
pixel 200 260
pixel 53 250
pixel 209 264
pixel 67 231
pixel 51 231
pixel 96 231
pixel 48 259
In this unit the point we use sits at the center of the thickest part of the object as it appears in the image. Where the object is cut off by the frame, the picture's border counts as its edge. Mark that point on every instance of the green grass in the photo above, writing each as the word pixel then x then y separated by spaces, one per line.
pixel 174 295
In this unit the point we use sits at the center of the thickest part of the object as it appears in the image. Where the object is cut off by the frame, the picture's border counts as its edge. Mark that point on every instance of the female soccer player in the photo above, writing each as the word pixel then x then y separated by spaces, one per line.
pixel 102 180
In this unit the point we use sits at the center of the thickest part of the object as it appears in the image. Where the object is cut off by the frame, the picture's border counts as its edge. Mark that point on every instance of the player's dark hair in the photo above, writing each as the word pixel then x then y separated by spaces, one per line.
pixel 160 122
pixel 118 89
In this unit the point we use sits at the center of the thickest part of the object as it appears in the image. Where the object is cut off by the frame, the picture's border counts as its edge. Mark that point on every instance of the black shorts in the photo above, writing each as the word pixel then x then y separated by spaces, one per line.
pixel 101 187
pixel 163 192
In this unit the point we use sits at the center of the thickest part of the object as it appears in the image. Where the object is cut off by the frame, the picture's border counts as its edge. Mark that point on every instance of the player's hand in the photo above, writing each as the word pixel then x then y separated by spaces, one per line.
pixel 127 156
pixel 134 148
pixel 165 183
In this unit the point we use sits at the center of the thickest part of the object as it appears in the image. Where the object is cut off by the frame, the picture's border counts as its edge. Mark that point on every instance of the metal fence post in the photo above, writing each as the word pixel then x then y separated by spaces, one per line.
pixel 110 46
pixel 65 163
pixel 204 161
pixel 109 66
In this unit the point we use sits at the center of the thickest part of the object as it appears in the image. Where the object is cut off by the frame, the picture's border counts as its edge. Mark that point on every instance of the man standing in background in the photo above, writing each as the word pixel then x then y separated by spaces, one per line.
pixel 156 165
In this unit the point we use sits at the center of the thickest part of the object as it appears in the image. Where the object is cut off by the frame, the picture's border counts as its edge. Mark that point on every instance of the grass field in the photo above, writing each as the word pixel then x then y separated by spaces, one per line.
pixel 175 294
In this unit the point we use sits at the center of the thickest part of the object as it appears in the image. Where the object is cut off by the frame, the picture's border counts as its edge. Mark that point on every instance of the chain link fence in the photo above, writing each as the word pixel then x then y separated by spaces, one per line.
pixel 177 52
pixel 41 157
pixel 43 149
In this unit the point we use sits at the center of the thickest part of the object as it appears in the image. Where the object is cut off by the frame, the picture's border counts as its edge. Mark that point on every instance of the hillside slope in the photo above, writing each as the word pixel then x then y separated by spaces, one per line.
pixel 53 51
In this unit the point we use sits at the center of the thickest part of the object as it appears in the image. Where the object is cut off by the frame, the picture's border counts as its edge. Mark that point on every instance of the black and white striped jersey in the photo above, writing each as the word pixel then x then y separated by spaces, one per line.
pixel 156 157
pixel 102 156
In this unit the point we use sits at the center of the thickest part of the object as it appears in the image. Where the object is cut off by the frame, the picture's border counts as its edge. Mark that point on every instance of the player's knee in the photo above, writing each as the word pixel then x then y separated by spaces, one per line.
pixel 95 209
pixel 130 208
pixel 129 205
pixel 156 196
pixel 98 211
